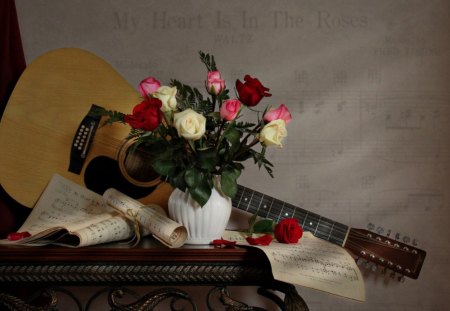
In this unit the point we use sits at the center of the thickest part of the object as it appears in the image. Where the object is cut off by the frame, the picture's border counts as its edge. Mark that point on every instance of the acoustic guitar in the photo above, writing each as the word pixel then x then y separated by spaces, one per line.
pixel 49 127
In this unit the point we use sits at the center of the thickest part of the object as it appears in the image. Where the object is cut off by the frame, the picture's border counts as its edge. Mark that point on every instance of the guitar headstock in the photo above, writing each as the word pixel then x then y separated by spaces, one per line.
pixel 402 258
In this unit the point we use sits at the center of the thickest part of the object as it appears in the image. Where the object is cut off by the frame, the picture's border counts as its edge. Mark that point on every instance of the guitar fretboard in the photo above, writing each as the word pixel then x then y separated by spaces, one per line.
pixel 265 206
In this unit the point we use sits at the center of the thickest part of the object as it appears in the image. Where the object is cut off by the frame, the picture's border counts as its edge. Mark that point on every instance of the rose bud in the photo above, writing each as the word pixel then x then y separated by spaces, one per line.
pixel 230 109
pixel 148 86
pixel 280 113
pixel 288 231
pixel 215 84
pixel 251 91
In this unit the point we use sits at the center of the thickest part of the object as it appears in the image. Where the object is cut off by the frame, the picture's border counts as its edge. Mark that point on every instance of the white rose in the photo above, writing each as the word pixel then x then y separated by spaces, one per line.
pixel 273 133
pixel 167 95
pixel 189 124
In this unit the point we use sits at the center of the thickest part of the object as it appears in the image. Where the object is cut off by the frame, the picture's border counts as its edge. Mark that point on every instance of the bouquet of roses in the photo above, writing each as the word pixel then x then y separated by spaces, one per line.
pixel 192 138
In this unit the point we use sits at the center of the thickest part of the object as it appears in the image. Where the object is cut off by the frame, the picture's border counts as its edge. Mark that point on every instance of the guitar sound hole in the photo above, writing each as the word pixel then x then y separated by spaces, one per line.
pixel 137 166
pixel 103 173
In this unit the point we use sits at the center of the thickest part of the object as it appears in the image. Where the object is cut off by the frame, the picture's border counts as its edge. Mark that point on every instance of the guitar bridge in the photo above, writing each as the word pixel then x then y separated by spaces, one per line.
pixel 82 140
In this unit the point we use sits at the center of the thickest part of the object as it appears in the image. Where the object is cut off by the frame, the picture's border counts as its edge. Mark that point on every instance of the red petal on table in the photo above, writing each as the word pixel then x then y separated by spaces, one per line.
pixel 15 236
pixel 224 243
pixel 262 240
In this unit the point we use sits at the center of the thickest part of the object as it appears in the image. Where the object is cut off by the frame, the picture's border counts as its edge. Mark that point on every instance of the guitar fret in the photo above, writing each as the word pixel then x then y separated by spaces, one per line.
pixel 240 198
pixel 288 211
pixel 270 208
pixel 276 209
pixel 249 200
pixel 338 234
pixel 329 234
pixel 281 212
pixel 317 226
pixel 324 228
pixel 253 202
pixel 304 220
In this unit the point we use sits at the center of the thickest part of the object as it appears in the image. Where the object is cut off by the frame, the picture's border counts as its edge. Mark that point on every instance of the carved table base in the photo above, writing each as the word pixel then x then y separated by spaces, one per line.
pixel 47 299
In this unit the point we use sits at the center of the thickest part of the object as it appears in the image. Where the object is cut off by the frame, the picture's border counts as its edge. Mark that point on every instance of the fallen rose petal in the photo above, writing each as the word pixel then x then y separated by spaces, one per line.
pixel 262 240
pixel 223 243
pixel 15 236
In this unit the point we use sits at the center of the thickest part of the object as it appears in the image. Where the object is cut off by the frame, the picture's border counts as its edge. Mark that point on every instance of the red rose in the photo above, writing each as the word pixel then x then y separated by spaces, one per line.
pixel 288 231
pixel 147 115
pixel 252 91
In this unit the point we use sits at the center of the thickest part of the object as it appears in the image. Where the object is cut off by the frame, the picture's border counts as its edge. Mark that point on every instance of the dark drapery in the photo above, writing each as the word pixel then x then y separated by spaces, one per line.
pixel 12 64
pixel 12 60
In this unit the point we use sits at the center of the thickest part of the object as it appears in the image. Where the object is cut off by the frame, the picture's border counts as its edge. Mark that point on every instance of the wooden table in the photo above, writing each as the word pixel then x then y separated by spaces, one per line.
pixel 27 274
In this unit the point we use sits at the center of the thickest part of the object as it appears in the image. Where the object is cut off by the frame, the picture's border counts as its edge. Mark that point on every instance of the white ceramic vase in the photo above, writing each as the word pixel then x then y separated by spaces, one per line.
pixel 204 224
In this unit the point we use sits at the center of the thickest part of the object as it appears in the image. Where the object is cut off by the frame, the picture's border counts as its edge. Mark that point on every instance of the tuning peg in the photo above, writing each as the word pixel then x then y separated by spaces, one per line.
pixel 370 226
pixel 380 230
pixel 360 261
pixel 406 239
pixel 388 233
pixel 401 279
pixel 414 242
pixel 397 236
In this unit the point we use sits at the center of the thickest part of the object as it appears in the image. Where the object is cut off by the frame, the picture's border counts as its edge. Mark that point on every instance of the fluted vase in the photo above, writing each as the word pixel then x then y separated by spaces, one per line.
pixel 204 224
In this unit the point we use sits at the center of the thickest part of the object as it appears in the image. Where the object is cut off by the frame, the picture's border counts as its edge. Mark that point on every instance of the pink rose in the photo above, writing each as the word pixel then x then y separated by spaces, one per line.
pixel 215 84
pixel 149 86
pixel 280 113
pixel 230 109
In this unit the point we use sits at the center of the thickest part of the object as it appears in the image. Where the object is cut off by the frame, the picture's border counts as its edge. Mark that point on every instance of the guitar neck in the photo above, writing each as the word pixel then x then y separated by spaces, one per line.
pixel 268 207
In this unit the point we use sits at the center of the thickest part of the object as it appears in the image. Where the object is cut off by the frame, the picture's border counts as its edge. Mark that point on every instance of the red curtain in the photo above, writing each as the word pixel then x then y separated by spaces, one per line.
pixel 12 60
pixel 12 64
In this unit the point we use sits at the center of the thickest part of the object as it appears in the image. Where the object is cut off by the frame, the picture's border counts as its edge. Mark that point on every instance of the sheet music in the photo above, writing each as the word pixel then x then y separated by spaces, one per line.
pixel 313 263
pixel 94 219
pixel 67 205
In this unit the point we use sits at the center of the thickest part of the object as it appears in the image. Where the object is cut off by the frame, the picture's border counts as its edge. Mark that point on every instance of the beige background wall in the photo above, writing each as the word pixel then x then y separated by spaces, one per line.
pixel 366 82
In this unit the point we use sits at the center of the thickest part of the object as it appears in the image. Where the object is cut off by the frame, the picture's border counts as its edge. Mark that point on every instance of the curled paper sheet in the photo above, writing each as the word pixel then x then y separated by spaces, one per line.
pixel 151 218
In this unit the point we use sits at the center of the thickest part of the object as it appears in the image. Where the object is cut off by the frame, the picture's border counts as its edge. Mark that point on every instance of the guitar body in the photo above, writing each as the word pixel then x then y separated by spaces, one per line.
pixel 43 114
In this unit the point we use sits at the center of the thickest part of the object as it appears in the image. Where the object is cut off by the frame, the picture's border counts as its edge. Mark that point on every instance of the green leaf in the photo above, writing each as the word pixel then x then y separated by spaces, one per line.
pixel 208 60
pixel 228 181
pixel 192 177
pixel 232 135
pixel 164 167
pixel 178 181
pixel 207 159
pixel 263 226
pixel 201 192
